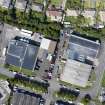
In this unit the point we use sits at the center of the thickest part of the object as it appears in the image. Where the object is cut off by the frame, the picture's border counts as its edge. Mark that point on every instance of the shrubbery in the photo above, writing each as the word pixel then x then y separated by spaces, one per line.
pixel 33 21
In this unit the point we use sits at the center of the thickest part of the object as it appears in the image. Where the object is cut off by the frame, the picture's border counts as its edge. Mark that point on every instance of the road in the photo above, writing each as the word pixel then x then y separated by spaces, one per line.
pixel 6 72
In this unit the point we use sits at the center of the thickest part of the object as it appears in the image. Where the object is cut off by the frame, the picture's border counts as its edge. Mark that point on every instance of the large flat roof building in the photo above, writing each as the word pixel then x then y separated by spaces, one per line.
pixel 79 46
pixel 22 52
pixel 81 55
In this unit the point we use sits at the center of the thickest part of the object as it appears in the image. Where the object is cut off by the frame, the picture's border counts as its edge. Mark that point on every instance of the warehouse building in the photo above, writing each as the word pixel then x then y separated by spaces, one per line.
pixel 81 56
pixel 47 48
pixel 22 52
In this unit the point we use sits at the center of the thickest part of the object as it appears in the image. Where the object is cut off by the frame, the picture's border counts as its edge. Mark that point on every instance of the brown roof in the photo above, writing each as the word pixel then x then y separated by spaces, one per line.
pixel 55 12
pixel 52 46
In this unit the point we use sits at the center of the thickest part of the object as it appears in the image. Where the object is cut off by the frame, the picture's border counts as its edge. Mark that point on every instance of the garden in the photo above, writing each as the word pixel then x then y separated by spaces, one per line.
pixel 85 4
pixel 34 21
pixel 81 25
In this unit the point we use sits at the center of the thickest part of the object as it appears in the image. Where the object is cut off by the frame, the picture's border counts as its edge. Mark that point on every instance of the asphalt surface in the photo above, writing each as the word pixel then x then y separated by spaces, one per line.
pixel 6 72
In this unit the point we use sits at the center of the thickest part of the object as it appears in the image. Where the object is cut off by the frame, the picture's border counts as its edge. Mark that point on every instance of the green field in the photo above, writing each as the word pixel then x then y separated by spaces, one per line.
pixel 3 77
pixel 92 4
pixel 56 2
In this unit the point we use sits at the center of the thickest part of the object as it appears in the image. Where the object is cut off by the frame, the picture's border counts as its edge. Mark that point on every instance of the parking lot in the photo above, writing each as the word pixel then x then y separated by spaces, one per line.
pixel 23 97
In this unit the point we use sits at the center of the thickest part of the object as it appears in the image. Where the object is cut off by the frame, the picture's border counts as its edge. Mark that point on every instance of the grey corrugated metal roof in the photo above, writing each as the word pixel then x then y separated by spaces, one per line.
pixel 80 48
pixel 22 54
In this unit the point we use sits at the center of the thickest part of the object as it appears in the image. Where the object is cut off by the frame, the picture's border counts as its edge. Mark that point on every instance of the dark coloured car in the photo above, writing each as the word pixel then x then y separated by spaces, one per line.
pixel 60 102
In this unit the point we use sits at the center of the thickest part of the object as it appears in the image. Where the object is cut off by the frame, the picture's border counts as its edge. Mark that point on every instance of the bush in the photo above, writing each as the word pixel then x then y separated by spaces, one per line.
pixel 75 4
pixel 86 99
pixel 33 21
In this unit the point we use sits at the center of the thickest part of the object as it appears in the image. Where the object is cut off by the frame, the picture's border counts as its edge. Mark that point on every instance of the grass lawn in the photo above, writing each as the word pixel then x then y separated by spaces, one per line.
pixel 87 4
pixel 3 77
pixel 85 102
pixel 103 80
pixel 56 2
pixel 92 76
pixel 74 86
pixel 24 71
pixel 91 4
pixel 39 1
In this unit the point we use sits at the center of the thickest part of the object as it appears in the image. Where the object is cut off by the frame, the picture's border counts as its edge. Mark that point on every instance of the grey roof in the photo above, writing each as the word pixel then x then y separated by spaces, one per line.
pixel 20 4
pixel 24 99
pixel 5 3
pixel 23 54
pixel 79 48
pixel 84 42
pixel 37 7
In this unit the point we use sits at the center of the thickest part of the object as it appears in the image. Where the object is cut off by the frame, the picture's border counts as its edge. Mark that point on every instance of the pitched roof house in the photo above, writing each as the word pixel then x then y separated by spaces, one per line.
pixel 55 14
pixel 37 6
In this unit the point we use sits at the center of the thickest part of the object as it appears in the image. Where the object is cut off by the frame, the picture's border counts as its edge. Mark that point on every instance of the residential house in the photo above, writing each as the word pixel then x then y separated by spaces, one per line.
pixel 37 7
pixel 55 14
pixel 21 4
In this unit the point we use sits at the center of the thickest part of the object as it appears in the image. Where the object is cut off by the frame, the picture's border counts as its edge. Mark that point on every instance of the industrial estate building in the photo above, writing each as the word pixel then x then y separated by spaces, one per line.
pixel 81 56
pixel 47 48
pixel 22 52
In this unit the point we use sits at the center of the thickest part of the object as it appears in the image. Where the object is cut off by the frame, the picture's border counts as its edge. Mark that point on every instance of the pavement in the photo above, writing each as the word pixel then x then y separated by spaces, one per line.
pixel 6 72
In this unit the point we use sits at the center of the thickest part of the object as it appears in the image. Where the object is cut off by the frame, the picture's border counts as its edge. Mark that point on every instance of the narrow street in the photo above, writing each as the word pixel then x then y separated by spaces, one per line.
pixel 99 73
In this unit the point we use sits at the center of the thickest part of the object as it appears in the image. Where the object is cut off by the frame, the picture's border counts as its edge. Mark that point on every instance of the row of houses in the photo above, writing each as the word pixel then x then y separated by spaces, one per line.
pixel 54 13
pixel 22 5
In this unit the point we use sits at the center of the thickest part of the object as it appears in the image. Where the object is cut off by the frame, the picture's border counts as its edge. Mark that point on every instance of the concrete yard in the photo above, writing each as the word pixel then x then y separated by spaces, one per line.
pixel 76 73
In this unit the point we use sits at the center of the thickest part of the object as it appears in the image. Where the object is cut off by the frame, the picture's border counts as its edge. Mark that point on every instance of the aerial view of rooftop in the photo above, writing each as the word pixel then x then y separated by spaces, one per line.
pixel 52 52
